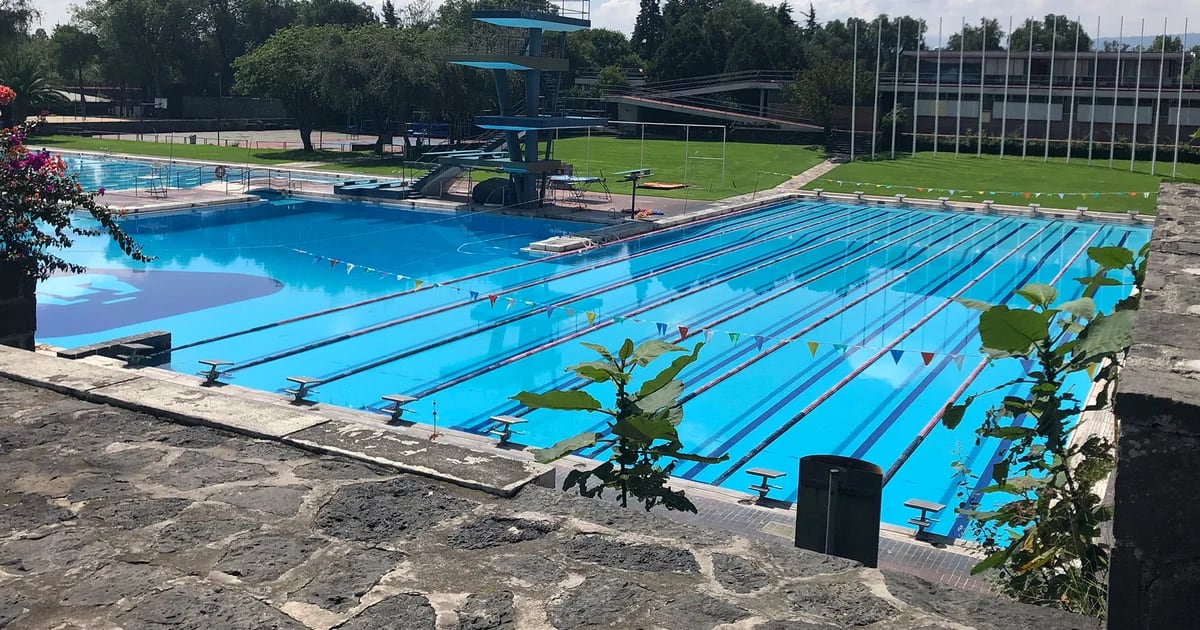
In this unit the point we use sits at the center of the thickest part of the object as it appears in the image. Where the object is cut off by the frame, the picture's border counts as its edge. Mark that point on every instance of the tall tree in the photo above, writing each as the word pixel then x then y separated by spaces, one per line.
pixel 827 85
pixel 336 12
pixel 784 11
pixel 146 42
pixel 1044 34
pixel 16 16
pixel 28 76
pixel 649 30
pixel 288 67
pixel 972 37
pixel 810 20
pixel 1172 43
pixel 389 14
pixel 73 50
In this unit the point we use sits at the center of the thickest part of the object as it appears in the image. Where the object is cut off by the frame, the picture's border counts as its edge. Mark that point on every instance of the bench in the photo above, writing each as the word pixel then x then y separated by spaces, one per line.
pixel 924 521
pixel 396 409
pixel 304 387
pixel 503 427
pixel 133 353
pixel 766 475
pixel 214 371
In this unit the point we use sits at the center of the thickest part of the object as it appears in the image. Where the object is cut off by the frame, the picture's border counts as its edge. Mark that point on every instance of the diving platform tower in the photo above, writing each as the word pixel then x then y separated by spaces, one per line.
pixel 504 51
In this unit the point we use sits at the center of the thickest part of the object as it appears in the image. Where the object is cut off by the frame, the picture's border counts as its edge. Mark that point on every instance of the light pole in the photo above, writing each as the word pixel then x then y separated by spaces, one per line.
pixel 218 75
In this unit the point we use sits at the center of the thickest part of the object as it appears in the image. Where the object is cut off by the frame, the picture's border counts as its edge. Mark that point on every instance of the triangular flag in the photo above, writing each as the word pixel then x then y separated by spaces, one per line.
pixel 417 283
pixel 958 361
pixel 920 189
pixel 991 193
pixel 1026 195
pixel 492 299
pixel 1132 194
pixel 926 357
pixel 349 267
pixel 758 341
pixel 1091 370
pixel 591 317
pixel 812 348
pixel 332 262
pixel 839 347
pixel 708 335
pixel 528 303
pixel 549 310
pixel 1060 195
pixel 474 295
pixel 399 277
pixel 368 269
pixel 1037 195
pixel 510 303
pixel 662 328
pixel 683 332
pixel 618 319
pixel 733 337
pixel 980 192
pixel 1145 195
pixel 951 191
pixel 1095 195
pixel 1015 194
pixel 896 354
pixel 383 274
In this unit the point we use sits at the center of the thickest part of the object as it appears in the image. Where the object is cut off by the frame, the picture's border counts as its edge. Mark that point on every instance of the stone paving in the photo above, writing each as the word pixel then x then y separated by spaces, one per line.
pixel 116 519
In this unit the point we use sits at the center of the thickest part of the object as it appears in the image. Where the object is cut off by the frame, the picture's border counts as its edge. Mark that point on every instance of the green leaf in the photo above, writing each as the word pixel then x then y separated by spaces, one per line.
pixel 1011 331
pixel 1038 294
pixel 1039 561
pixel 975 305
pixel 668 374
pixel 691 457
pixel 1083 308
pixel 1111 257
pixel 992 561
pixel 565 447
pixel 651 349
pixel 599 349
pixel 570 400
pixel 645 429
pixel 1011 433
pixel 626 349
pixel 599 372
pixel 660 398
pixel 1099 280
pixel 1107 334
pixel 952 415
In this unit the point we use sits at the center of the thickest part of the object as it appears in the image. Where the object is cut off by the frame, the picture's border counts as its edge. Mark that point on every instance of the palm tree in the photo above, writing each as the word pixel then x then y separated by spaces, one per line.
pixel 29 77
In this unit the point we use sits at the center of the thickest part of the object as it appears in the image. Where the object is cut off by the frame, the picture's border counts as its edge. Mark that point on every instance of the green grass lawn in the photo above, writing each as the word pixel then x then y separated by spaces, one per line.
pixel 976 178
pixel 747 166
pixel 332 160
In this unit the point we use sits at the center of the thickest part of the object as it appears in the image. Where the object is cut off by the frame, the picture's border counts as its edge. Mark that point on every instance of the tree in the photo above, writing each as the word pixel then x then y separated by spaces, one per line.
pixel 146 42
pixel 1044 543
pixel 288 67
pixel 73 50
pixel 810 19
pixel 1054 32
pixel 642 425
pixel 1171 44
pixel 974 37
pixel 825 85
pixel 379 74
pixel 611 76
pixel 784 14
pixel 336 13
pixel 29 77
pixel 649 29
pixel 15 18
pixel 389 14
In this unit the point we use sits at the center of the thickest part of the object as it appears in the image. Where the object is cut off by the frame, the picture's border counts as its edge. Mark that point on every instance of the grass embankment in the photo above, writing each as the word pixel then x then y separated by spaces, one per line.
pixel 747 166
pixel 975 178
pixel 340 161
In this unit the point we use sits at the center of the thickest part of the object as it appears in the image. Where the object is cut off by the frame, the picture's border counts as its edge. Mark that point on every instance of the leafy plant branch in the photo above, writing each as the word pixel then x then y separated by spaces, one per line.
pixel 642 426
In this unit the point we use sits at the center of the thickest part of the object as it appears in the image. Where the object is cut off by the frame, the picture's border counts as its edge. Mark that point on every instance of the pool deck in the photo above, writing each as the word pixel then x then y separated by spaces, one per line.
pixel 463 459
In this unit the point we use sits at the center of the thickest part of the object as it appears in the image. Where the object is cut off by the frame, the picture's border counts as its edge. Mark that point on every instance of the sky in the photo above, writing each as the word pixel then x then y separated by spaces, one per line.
pixel 620 14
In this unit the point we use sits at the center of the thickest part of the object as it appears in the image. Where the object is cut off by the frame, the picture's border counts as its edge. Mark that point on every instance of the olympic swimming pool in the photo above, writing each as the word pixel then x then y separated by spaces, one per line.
pixel 122 173
pixel 831 328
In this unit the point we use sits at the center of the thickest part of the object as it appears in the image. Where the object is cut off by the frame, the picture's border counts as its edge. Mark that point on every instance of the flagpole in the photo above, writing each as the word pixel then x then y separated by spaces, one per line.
pixel 916 89
pixel 875 112
pixel 982 75
pixel 1095 77
pixel 937 91
pixel 1137 98
pixel 1007 70
pixel 962 47
pixel 1162 60
pixel 1074 80
pixel 1112 134
pixel 1028 83
pixel 854 94
pixel 896 86
pixel 1050 89
pixel 1179 113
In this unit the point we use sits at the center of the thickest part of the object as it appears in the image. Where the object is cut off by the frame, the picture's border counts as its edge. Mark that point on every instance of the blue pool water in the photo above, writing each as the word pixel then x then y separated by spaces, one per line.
pixel 126 174
pixel 833 328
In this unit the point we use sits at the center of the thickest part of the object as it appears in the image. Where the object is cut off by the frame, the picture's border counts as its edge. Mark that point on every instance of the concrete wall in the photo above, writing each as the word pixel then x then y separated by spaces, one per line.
pixel 1155 573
